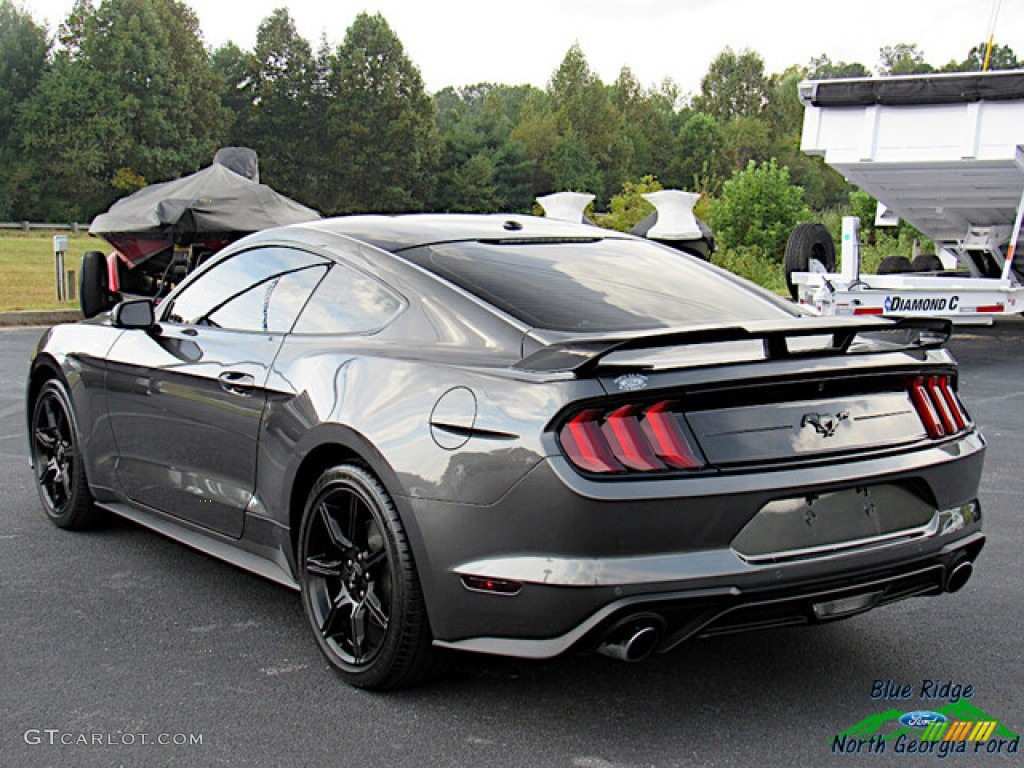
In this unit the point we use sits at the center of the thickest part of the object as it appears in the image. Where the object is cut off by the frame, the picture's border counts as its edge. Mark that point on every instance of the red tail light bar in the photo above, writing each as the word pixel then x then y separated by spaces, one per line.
pixel 628 438
pixel 940 409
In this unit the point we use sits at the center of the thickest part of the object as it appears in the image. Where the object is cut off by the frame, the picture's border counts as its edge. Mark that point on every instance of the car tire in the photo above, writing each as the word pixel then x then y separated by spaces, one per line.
pixel 360 589
pixel 57 458
pixel 808 242
pixel 93 289
pixel 927 262
pixel 895 265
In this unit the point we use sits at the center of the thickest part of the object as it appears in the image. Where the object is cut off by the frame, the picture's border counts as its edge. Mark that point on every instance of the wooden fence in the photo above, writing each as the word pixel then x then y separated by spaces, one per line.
pixel 29 226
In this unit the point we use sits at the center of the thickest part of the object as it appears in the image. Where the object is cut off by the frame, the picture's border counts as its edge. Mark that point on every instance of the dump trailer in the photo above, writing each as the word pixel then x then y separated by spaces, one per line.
pixel 944 152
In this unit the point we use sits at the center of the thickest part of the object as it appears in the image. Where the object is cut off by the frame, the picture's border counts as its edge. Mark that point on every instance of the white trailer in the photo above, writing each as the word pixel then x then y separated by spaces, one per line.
pixel 944 152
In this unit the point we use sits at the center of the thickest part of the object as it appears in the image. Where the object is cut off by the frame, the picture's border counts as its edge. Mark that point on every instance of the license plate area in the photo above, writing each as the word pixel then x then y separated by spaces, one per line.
pixel 816 525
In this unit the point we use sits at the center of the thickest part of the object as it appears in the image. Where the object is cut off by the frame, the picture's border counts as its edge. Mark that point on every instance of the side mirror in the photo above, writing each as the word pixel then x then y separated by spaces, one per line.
pixel 137 313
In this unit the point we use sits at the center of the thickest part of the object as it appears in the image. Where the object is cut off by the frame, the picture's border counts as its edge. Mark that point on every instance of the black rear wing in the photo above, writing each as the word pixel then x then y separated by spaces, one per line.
pixel 726 344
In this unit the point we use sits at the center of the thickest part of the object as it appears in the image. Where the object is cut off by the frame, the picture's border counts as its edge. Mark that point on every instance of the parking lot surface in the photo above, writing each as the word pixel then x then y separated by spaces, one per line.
pixel 122 648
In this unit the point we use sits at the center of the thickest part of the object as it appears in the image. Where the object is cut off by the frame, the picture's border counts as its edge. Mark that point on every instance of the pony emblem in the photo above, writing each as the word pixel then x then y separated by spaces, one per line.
pixel 824 424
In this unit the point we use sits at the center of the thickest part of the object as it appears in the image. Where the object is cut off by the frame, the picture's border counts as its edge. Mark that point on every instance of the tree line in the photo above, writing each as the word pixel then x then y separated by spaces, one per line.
pixel 127 94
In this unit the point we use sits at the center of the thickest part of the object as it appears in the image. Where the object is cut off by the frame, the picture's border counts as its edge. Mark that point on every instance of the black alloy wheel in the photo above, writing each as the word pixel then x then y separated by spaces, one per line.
pixel 56 457
pixel 359 586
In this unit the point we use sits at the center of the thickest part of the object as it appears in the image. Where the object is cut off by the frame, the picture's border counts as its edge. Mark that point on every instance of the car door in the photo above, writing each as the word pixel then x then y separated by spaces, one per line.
pixel 187 397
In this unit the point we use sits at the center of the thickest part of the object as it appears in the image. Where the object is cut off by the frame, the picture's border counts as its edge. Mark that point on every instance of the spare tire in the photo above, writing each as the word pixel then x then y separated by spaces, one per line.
pixel 895 265
pixel 808 242
pixel 927 262
pixel 93 292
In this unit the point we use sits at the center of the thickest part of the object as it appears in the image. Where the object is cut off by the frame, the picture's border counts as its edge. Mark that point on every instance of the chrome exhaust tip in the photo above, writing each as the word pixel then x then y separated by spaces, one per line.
pixel 632 643
pixel 959 575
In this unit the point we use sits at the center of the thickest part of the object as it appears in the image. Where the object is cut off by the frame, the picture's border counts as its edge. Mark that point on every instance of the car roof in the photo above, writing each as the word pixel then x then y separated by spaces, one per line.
pixel 399 232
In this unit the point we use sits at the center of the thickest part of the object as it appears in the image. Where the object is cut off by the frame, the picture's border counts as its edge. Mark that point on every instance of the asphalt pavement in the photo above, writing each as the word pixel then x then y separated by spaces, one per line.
pixel 122 648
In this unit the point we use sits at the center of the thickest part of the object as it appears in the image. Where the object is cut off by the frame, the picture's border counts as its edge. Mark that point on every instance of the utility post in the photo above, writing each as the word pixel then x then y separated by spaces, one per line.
pixel 60 248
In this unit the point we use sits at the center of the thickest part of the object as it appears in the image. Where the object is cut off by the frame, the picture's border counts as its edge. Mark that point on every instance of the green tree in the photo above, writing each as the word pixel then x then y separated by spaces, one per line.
pixel 572 167
pixel 587 116
pixel 475 127
pixel 384 147
pixel 1002 57
pixel 474 186
pixel 734 86
pixel 902 59
pixel 758 209
pixel 24 48
pixel 823 68
pixel 747 139
pixel 536 131
pixel 784 111
pixel 823 187
pixel 647 125
pixel 282 115
pixel 236 70
pixel 700 161
pixel 131 94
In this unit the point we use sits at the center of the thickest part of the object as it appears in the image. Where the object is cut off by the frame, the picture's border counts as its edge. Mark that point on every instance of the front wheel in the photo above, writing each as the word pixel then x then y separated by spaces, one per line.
pixel 360 589
pixel 57 458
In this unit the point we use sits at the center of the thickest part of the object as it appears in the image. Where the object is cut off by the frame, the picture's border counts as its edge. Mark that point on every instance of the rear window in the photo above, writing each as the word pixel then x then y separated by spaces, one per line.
pixel 600 285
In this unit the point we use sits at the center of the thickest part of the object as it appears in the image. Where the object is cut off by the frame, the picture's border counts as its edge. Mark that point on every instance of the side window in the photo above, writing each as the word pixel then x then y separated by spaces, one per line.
pixel 347 301
pixel 270 306
pixel 262 289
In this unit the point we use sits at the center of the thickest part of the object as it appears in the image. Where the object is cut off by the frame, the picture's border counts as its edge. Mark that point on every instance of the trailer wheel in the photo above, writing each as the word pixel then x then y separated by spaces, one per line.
pixel 895 265
pixel 808 243
pixel 926 262
pixel 93 293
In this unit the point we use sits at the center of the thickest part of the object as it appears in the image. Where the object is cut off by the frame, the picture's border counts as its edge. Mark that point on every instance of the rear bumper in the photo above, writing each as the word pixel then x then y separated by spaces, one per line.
pixel 588 555
pixel 708 612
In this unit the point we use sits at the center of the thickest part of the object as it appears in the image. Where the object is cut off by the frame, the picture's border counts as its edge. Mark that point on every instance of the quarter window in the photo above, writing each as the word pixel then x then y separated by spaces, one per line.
pixel 347 301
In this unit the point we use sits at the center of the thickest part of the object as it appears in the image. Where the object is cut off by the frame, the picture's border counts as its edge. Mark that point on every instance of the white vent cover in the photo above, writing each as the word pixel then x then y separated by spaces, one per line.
pixel 565 206
pixel 675 215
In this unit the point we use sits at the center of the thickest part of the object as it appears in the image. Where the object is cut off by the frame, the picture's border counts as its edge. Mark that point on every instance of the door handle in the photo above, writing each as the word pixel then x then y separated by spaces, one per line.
pixel 237 383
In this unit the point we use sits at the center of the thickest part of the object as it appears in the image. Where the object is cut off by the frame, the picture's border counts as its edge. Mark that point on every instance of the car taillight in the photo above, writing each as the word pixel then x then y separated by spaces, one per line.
pixel 940 409
pixel 628 438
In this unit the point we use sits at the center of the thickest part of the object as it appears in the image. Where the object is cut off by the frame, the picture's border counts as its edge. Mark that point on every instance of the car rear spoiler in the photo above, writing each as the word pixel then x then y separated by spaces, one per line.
pixel 748 342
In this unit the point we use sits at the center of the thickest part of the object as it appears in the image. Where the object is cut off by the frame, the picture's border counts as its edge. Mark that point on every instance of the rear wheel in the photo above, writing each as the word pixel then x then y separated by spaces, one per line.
pixel 57 458
pixel 809 248
pixel 360 589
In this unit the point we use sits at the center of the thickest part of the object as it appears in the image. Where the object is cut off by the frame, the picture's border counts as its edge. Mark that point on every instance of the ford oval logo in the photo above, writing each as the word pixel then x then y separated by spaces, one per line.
pixel 922 719
pixel 631 382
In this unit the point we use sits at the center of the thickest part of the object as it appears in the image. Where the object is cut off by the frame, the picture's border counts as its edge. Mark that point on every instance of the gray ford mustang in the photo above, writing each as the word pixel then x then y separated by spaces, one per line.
pixel 516 436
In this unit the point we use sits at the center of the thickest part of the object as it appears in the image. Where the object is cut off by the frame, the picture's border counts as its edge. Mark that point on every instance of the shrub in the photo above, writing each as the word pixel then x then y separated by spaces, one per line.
pixel 628 208
pixel 753 265
pixel 758 209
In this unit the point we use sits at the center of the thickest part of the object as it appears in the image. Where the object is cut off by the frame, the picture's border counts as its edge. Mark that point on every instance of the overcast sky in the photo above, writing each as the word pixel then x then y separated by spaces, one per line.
pixel 460 42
